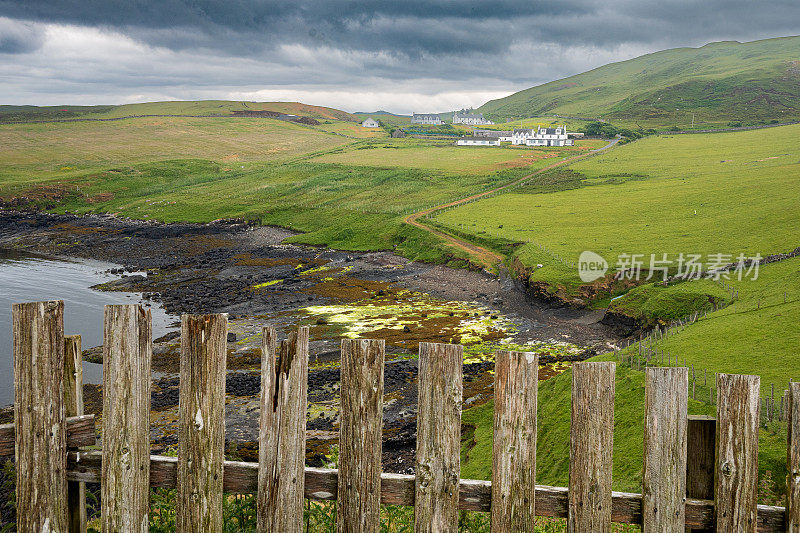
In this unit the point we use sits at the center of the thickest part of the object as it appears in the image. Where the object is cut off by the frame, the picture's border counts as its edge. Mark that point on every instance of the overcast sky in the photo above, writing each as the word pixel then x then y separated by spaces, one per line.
pixel 400 55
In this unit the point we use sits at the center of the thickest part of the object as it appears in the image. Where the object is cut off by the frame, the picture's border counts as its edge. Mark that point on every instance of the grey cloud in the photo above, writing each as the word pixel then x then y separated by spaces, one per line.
pixel 18 37
pixel 205 48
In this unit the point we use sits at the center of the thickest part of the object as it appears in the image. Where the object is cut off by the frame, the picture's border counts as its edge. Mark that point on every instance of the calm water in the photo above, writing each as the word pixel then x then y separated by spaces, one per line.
pixel 25 278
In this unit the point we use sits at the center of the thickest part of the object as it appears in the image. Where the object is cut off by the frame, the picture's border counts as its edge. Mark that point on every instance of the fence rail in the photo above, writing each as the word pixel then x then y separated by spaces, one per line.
pixel 687 482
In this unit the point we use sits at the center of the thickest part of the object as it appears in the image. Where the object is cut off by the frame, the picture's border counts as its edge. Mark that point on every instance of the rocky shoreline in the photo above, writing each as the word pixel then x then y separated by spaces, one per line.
pixel 254 276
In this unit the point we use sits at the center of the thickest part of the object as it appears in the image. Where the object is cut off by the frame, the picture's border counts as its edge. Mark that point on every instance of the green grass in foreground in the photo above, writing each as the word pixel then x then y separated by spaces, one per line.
pixel 553 441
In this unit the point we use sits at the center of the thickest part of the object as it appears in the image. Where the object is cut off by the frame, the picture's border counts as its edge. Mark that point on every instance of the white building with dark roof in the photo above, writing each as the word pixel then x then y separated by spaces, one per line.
pixel 478 141
pixel 426 118
pixel 556 136
pixel 470 119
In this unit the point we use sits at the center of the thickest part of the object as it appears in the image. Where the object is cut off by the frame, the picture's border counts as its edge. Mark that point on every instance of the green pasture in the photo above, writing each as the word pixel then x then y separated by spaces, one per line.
pixel 757 334
pixel 726 193
pixel 444 156
pixel 35 153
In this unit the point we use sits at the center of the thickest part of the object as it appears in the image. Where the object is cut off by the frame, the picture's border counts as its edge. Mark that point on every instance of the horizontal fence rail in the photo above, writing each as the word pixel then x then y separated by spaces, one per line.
pixel 699 472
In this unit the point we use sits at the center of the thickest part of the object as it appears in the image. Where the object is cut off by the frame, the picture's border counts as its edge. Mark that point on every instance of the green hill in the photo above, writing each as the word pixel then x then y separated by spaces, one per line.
pixel 720 83
pixel 29 113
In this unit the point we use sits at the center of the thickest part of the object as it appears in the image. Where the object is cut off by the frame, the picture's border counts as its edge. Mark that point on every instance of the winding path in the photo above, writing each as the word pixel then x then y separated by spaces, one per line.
pixel 485 256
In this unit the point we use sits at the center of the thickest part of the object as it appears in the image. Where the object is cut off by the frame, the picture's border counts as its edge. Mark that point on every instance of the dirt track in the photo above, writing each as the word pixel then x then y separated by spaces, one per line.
pixel 485 257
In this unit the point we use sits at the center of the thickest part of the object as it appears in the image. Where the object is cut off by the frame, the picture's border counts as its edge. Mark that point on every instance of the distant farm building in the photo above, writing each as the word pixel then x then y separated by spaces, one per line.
pixel 371 123
pixel 470 119
pixel 542 137
pixel 426 118
pixel 478 141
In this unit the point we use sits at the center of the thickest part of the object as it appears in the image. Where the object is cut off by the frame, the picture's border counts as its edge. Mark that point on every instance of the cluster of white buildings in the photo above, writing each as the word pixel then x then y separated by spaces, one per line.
pixel 556 136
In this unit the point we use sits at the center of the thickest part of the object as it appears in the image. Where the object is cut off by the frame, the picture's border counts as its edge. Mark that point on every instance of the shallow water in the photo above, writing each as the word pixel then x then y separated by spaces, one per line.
pixel 29 278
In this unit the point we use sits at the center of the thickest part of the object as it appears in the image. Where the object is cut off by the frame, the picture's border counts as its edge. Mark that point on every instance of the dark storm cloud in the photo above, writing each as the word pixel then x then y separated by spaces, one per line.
pixel 16 38
pixel 239 26
pixel 201 48
pixel 411 28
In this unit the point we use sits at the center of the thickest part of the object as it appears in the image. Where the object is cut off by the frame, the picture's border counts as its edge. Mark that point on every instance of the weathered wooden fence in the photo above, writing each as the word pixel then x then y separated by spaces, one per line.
pixel 689 480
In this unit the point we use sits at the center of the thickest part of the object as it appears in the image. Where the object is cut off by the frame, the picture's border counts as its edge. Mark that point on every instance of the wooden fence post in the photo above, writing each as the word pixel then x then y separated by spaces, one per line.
pixel 358 502
pixel 664 475
pixel 127 352
pixel 73 402
pixel 282 434
pixel 39 416
pixel 591 444
pixel 736 471
pixel 701 434
pixel 201 419
pixel 793 455
pixel 438 465
pixel 516 384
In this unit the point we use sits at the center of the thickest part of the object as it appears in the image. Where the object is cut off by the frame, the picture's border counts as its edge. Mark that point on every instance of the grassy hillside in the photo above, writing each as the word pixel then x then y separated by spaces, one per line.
pixel 442 155
pixel 704 194
pixel 552 455
pixel 722 82
pixel 199 107
pixel 325 180
pixel 34 153
pixel 757 334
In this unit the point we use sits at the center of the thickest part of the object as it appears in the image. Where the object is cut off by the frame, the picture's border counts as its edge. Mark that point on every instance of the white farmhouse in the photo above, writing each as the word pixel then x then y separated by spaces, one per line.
pixel 542 137
pixel 470 119
pixel 478 141
pixel 370 123
pixel 426 118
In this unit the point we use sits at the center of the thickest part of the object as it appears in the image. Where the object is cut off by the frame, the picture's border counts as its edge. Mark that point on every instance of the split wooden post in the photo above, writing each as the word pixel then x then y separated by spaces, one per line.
pixel 73 402
pixel 591 446
pixel 282 434
pixel 39 416
pixel 438 464
pixel 664 476
pixel 201 423
pixel 516 385
pixel 793 455
pixel 736 470
pixel 358 501
pixel 127 353
pixel 701 434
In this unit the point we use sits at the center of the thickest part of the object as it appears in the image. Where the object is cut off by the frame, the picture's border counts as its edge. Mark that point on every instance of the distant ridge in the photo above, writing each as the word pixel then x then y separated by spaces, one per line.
pixel 754 82
pixel 389 113
pixel 9 113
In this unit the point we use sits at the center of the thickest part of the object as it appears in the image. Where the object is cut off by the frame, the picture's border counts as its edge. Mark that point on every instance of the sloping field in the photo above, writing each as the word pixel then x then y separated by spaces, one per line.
pixel 442 155
pixel 715 193
pixel 31 153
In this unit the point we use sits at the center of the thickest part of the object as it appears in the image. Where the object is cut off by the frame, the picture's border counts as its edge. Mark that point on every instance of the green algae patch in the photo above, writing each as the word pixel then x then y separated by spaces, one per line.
pixel 405 318
pixel 267 284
